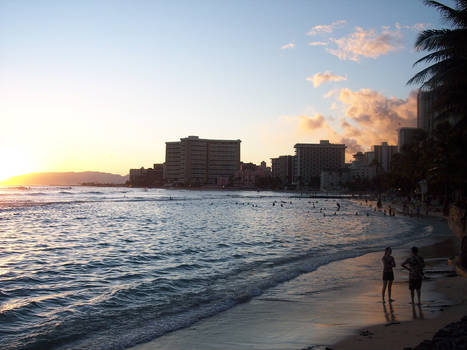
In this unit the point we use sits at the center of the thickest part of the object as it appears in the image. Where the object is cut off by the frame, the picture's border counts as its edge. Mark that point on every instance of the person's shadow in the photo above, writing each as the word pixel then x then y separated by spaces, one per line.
pixel 389 313
pixel 417 309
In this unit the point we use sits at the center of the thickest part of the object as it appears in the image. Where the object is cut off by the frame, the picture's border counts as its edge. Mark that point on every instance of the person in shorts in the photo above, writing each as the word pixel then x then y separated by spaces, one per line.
pixel 415 264
pixel 388 274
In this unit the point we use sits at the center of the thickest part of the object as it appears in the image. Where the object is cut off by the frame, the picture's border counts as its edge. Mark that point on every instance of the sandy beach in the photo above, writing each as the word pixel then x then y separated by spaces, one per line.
pixel 304 314
pixel 410 333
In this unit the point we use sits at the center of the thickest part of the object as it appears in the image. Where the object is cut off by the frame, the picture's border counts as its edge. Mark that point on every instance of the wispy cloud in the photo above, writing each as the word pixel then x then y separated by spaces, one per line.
pixel 416 26
pixel 326 28
pixel 318 43
pixel 288 46
pixel 331 93
pixel 366 43
pixel 320 78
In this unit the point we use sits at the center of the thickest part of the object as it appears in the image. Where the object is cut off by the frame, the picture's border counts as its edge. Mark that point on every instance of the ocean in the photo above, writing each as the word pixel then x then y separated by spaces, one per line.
pixel 109 268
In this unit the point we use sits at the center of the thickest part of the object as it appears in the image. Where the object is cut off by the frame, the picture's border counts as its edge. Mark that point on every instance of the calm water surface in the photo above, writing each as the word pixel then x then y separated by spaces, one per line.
pixel 108 268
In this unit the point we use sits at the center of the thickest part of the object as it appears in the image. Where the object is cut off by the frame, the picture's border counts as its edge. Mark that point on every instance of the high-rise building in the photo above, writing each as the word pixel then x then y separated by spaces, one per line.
pixel 408 136
pixel 427 117
pixel 283 168
pixel 312 158
pixel 173 156
pixel 383 155
pixel 425 113
pixel 201 161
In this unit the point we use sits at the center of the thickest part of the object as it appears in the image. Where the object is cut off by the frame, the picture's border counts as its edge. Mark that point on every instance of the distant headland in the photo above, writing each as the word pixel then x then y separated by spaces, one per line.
pixel 66 178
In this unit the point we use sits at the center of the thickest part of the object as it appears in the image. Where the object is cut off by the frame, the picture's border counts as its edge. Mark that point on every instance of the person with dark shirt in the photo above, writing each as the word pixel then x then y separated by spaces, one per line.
pixel 415 264
pixel 388 274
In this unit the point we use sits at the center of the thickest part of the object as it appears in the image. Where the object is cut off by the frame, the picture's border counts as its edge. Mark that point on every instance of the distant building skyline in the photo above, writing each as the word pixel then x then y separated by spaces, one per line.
pixel 91 86
pixel 196 162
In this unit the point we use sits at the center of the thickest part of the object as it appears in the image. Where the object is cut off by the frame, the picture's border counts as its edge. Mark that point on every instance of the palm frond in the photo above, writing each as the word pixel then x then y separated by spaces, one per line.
pixel 450 15
pixel 432 39
pixel 427 73
pixel 435 56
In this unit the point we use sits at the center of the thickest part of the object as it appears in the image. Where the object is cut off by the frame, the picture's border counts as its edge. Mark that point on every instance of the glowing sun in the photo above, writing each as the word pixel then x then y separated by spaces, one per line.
pixel 14 162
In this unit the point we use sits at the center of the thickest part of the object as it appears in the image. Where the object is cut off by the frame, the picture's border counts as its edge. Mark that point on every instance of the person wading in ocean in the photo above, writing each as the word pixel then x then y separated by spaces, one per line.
pixel 415 265
pixel 388 274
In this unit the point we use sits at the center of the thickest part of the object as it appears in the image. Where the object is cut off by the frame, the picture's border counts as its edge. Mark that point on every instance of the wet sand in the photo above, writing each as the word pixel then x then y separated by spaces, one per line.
pixel 306 314
pixel 410 333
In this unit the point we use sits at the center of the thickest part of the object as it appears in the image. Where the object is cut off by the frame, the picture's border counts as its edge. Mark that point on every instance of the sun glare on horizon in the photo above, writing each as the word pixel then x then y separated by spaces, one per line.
pixel 15 163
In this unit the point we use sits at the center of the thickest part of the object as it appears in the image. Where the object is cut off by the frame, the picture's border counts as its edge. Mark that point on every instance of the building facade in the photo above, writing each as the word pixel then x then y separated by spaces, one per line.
pixel 312 158
pixel 195 161
pixel 408 136
pixel 249 174
pixel 335 180
pixel 383 155
pixel 360 168
pixel 283 168
pixel 150 177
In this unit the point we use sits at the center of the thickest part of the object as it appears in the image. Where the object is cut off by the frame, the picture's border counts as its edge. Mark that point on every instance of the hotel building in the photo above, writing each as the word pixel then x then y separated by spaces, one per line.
pixel 312 158
pixel 201 161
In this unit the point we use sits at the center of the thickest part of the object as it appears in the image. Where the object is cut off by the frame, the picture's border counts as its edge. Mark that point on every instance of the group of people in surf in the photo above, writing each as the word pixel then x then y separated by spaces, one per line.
pixel 414 264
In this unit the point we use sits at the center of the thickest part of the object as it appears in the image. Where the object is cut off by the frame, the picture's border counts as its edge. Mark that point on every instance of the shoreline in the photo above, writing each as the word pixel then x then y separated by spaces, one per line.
pixel 308 313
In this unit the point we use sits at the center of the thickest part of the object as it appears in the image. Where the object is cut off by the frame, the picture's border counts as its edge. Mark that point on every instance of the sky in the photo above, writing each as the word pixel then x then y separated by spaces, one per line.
pixel 102 85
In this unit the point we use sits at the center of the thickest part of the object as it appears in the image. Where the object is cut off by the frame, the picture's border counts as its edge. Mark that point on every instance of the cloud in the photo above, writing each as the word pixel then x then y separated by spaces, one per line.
pixel 320 78
pixel 331 93
pixel 326 28
pixel 288 46
pixel 366 43
pixel 367 118
pixel 420 26
pixel 416 26
pixel 374 118
pixel 318 43
pixel 312 123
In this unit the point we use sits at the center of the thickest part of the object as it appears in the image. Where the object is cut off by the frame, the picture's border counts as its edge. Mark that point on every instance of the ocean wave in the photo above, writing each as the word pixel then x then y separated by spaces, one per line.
pixel 161 267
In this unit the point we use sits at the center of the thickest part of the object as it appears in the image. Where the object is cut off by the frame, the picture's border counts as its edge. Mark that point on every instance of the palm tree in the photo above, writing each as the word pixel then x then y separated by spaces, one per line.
pixel 446 76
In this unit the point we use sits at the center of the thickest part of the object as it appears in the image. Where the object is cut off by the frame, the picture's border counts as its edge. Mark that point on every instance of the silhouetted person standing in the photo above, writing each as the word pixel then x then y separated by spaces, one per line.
pixel 388 274
pixel 415 265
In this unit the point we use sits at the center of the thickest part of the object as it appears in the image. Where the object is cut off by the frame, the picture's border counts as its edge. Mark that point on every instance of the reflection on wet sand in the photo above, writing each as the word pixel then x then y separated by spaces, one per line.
pixel 417 309
pixel 389 314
